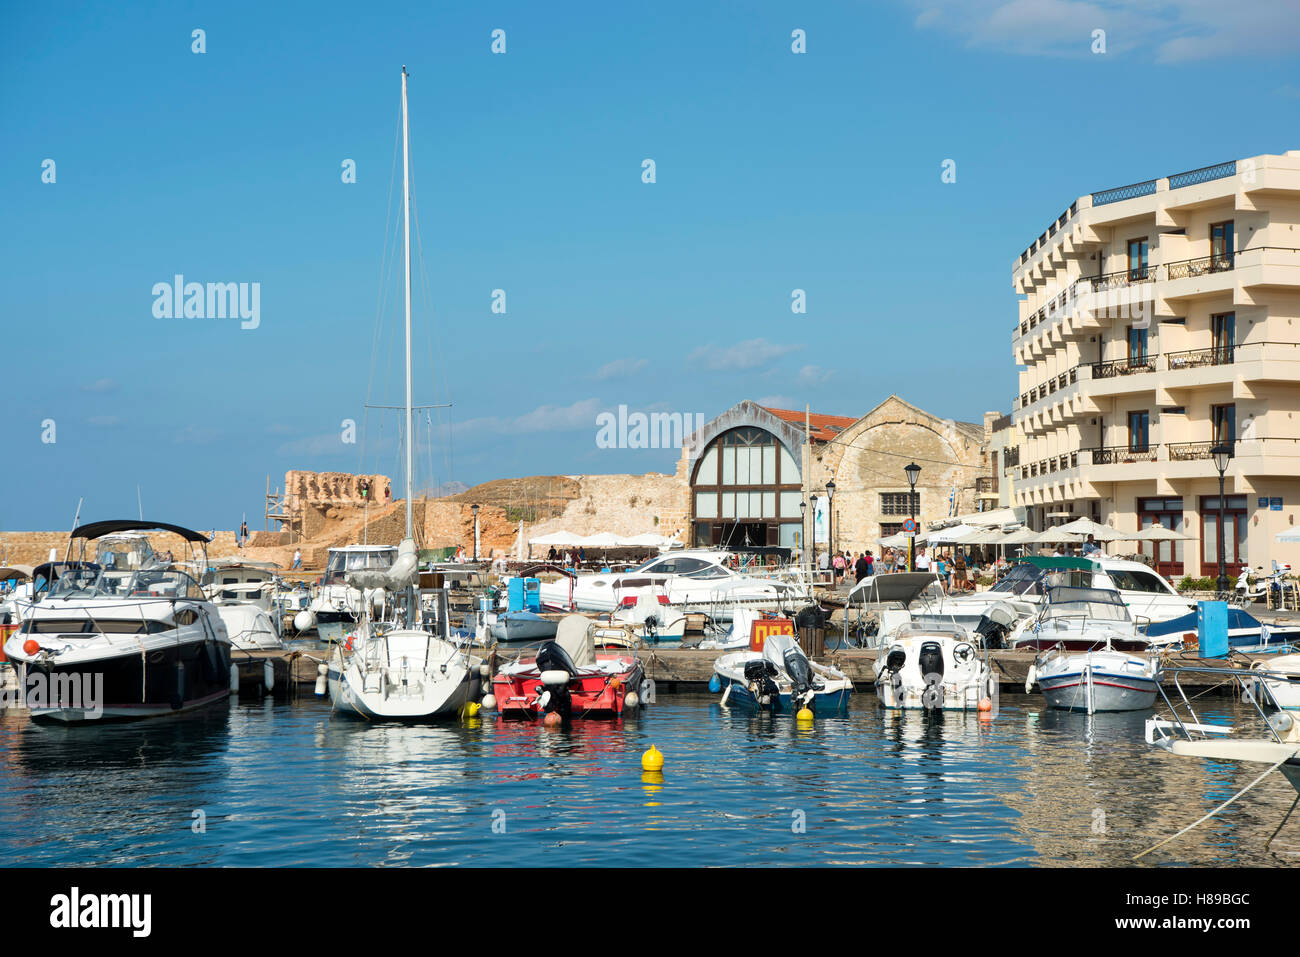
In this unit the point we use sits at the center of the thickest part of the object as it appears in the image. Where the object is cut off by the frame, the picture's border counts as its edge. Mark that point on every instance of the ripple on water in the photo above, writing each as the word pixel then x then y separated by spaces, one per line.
pixel 293 785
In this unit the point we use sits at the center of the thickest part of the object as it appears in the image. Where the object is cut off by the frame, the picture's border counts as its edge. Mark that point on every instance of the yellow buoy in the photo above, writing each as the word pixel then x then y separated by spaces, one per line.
pixel 652 760
pixel 804 715
pixel 470 709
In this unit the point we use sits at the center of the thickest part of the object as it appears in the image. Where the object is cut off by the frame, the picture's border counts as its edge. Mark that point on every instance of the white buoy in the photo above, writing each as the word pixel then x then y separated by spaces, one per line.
pixel 489 702
pixel 631 701
pixel 484 671
pixel 234 679
pixel 322 676
pixel 726 693
pixel 304 621
pixel 1030 678
pixel 268 675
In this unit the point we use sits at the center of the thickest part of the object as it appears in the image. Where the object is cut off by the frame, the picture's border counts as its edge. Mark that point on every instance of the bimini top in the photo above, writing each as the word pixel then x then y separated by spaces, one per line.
pixel 94 530
pixel 904 587
pixel 1061 562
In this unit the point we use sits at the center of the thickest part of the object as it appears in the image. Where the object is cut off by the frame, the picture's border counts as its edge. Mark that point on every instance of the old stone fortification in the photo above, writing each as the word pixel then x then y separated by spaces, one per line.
pixel 322 510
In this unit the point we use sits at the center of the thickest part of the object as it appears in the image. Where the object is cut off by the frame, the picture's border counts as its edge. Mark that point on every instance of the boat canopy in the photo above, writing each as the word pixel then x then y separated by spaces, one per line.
pixel 19 572
pixel 573 634
pixel 904 587
pixel 1072 564
pixel 93 530
pixel 1065 601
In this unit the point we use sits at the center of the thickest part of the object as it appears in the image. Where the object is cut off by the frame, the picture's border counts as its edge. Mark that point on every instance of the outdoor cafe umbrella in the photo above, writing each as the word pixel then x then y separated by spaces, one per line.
pixel 1156 533
pixel 1086 527
pixel 1055 535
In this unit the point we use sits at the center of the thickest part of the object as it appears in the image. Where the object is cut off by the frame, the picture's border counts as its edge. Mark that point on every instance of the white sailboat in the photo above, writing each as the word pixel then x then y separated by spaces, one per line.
pixel 402 672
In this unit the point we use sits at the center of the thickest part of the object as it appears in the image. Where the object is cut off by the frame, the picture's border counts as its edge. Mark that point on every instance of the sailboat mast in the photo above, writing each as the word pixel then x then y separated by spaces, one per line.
pixel 406 216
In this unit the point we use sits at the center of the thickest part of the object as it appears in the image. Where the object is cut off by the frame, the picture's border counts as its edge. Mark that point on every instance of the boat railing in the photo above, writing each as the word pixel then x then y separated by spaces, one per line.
pixel 1248 685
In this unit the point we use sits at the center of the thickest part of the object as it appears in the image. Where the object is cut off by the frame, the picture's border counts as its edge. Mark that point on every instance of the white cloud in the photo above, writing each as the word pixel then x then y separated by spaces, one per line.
pixel 749 354
pixel 619 368
pixel 545 418
pixel 812 376
pixel 1172 31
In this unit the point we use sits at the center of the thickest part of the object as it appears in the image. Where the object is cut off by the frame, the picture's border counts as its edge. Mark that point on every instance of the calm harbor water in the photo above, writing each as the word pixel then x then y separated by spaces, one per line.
pixel 291 785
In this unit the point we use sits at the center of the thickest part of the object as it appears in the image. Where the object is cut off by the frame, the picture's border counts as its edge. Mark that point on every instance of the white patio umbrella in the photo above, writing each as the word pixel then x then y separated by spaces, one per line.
pixel 1086 527
pixel 947 536
pixel 1157 533
pixel 1020 536
pixel 1055 535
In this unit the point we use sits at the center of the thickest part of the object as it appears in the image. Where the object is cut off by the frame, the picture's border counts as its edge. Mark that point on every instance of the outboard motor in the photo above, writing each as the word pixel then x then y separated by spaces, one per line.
pixel 930 660
pixel 556 668
pixel 995 625
pixel 801 677
pixel 895 660
pixel 759 674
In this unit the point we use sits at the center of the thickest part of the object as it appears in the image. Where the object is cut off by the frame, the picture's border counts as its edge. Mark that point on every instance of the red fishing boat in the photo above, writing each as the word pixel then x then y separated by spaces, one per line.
pixel 568 677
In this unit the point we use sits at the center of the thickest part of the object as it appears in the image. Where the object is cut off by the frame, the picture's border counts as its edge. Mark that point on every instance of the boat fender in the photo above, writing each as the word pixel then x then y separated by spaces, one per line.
pixel 489 702
pixel 322 676
pixel 268 674
pixel 715 684
pixel 484 671
pixel 304 621
pixel 234 679
pixel 178 698
pixel 555 678
pixel 631 700
pixel 1031 677
pixel 726 693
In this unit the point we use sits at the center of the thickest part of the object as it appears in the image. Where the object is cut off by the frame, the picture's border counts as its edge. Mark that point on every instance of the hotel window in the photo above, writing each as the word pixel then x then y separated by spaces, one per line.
pixel 1137 346
pixel 1139 431
pixel 1223 327
pixel 1224 418
pixel 1221 245
pixel 897 503
pixel 1137 258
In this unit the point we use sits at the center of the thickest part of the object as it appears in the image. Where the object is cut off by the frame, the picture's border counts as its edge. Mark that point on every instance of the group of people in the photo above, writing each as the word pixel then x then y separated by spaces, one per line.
pixel 958 570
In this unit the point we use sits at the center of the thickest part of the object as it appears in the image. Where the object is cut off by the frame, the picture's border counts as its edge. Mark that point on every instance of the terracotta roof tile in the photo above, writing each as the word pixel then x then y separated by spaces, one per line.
pixel 824 427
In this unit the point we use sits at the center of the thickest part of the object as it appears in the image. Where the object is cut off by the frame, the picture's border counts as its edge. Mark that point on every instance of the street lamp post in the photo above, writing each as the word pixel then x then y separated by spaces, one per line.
pixel 830 515
pixel 803 530
pixel 913 473
pixel 474 509
pixel 812 552
pixel 1221 454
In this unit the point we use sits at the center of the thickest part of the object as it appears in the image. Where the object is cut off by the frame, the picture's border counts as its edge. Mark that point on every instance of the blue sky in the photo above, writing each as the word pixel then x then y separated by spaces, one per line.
pixel 774 172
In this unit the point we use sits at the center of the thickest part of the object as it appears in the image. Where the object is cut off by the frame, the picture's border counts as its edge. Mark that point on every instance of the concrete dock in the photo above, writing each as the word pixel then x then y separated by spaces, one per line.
pixel 679 669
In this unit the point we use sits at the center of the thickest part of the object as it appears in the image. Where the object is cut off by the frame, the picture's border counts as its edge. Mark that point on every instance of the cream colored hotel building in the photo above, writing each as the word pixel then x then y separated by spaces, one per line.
pixel 1158 320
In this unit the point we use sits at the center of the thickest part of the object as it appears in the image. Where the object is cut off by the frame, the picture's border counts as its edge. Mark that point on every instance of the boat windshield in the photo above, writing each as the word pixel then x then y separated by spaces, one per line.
pixel 1021 580
pixel 124 552
pixel 358 560
pixel 93 581
pixel 1068 601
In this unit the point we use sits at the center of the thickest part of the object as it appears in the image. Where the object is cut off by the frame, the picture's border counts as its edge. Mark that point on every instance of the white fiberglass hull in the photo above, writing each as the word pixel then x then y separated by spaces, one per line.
pixel 959 684
pixel 407 676
pixel 1098 681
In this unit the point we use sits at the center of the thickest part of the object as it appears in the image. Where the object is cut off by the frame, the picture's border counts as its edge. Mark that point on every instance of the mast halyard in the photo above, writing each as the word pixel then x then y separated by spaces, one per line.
pixel 406 216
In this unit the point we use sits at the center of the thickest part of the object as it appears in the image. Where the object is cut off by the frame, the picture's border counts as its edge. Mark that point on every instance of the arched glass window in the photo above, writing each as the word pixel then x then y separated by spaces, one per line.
pixel 746 484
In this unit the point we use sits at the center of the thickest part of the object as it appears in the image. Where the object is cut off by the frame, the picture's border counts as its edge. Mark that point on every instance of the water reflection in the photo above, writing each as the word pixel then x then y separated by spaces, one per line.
pixel 296 785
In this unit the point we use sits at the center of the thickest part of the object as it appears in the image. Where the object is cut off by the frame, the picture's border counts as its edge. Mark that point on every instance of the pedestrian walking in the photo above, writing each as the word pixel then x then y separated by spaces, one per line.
pixel 297 558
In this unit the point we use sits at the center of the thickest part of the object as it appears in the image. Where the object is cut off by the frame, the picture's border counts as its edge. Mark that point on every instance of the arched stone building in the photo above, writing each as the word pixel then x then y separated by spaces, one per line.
pixel 749 469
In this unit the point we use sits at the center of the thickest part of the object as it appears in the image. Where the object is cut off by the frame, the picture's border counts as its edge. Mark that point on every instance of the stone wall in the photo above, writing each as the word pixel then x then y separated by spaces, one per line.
pixel 867 460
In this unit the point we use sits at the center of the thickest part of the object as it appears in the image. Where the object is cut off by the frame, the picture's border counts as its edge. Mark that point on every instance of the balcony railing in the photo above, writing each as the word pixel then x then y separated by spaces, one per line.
pixel 1122 454
pixel 1187 268
pixel 1196 358
pixel 1124 192
pixel 1203 175
pixel 1122 278
pixel 1118 367
pixel 1194 451
pixel 1011 457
